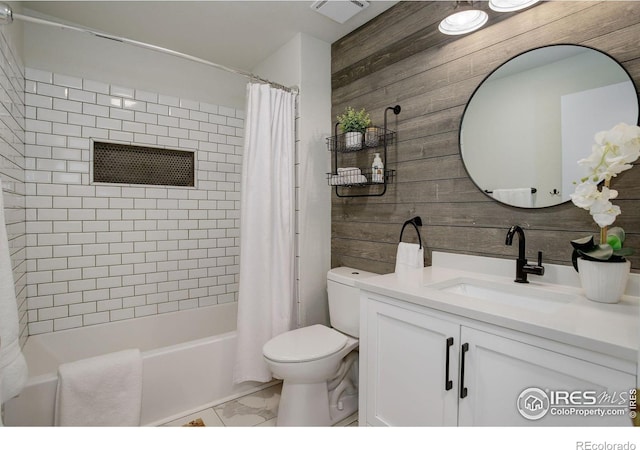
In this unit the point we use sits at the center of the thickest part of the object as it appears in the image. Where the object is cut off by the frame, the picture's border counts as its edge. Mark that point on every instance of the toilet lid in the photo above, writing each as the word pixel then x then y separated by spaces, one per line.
pixel 304 344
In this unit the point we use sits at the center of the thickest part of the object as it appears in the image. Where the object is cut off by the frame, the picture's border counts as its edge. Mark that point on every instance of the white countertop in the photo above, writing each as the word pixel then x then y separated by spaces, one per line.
pixel 612 329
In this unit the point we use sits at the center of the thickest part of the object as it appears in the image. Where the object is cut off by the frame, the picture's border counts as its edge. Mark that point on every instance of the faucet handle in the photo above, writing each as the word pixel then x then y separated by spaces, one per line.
pixel 538 269
pixel 534 269
pixel 540 258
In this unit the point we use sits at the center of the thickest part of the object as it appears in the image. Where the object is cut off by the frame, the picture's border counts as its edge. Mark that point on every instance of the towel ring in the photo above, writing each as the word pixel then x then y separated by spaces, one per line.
pixel 416 222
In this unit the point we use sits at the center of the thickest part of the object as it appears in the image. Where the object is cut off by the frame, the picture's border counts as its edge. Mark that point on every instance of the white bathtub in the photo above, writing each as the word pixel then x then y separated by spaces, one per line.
pixel 188 359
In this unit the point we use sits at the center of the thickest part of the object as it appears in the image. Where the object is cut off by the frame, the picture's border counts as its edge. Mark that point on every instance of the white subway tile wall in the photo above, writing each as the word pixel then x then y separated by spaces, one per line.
pixel 12 164
pixel 97 252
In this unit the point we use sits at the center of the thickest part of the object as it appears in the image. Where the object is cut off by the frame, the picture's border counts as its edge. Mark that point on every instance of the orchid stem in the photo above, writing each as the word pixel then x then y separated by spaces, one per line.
pixel 603 235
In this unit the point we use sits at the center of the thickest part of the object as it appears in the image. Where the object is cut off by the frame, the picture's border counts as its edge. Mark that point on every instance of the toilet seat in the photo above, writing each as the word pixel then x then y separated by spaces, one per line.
pixel 305 344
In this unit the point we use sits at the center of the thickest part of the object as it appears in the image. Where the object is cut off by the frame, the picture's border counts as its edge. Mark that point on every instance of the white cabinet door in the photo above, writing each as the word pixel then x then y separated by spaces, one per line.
pixel 406 367
pixel 498 370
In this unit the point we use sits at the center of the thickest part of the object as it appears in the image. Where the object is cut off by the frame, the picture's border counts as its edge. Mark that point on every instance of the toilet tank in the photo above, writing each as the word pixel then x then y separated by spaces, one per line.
pixel 344 299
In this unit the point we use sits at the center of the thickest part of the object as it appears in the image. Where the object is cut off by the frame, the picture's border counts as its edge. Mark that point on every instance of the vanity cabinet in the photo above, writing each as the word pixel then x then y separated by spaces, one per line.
pixel 403 363
pixel 421 367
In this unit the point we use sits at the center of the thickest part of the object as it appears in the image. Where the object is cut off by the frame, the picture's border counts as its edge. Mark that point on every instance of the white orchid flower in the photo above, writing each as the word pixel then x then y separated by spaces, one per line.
pixel 585 194
pixel 625 137
pixel 607 215
pixel 614 152
pixel 598 203
pixel 602 210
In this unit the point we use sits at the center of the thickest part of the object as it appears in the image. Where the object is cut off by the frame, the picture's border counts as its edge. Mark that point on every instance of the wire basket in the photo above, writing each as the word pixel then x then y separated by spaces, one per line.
pixel 356 141
pixel 353 176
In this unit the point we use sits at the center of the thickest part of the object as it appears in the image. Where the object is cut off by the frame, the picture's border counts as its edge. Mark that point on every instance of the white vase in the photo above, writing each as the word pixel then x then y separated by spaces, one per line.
pixel 353 140
pixel 603 282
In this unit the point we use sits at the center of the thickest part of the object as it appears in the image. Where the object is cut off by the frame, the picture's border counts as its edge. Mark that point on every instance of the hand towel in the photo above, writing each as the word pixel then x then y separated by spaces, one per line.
pixel 13 366
pixel 351 175
pixel 351 170
pixel 338 180
pixel 409 256
pixel 105 390
pixel 516 197
pixel 347 178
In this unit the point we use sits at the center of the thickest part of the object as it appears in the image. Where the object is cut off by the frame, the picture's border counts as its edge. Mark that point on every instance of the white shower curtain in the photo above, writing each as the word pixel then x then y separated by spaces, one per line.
pixel 13 367
pixel 267 228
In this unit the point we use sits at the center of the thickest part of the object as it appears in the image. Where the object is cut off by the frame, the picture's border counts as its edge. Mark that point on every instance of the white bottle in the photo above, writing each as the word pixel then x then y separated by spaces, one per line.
pixel 377 169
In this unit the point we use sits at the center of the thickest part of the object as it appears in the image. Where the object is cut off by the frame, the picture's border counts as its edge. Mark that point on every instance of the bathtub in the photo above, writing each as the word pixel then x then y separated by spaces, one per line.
pixel 188 359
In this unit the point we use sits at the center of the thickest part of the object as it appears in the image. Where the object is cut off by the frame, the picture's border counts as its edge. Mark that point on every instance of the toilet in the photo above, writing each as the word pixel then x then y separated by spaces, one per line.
pixel 318 364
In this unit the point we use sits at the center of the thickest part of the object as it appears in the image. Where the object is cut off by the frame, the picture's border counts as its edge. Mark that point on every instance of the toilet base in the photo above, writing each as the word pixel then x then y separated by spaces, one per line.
pixel 323 403
pixel 295 399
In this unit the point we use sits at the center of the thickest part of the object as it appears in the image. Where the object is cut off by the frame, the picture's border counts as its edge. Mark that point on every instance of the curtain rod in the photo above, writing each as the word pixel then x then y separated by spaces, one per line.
pixel 3 12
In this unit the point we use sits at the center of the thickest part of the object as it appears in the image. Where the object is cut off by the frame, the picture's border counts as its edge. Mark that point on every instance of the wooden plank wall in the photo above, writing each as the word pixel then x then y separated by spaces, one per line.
pixel 401 58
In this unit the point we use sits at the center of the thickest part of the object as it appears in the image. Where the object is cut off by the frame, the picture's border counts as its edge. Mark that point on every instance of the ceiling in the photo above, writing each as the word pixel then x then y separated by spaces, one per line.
pixel 238 34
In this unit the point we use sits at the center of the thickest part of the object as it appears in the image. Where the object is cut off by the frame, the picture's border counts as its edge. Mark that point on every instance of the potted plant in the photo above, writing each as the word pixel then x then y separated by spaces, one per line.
pixel 353 124
pixel 603 268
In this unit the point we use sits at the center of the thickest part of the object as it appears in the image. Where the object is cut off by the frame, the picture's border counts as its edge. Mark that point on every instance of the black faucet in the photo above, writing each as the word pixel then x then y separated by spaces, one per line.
pixel 522 268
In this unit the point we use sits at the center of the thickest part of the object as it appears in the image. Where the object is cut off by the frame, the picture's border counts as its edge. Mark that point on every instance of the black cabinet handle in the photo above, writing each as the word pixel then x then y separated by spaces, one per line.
pixel 463 390
pixel 448 384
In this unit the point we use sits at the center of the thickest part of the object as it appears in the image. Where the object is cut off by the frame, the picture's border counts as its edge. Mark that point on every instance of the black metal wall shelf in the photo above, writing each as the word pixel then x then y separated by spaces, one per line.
pixel 347 179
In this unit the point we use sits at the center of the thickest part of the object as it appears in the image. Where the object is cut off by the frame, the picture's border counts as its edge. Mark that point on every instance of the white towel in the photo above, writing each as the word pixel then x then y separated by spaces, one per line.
pixel 13 367
pixel 347 176
pixel 409 256
pixel 104 390
pixel 516 197
pixel 350 170
pixel 338 180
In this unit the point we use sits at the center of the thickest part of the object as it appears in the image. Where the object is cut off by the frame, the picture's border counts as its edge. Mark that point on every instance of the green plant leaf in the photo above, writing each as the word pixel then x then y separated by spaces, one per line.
pixel 623 252
pixel 584 243
pixel 602 252
pixel 614 241
pixel 612 251
pixel 574 259
pixel 352 120
pixel 616 234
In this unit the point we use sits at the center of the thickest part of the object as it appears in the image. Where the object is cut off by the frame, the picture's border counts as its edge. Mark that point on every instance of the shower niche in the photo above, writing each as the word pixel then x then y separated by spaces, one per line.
pixel 351 172
pixel 133 164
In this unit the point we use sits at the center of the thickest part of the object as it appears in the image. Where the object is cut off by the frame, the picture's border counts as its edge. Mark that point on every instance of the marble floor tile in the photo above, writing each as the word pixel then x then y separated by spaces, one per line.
pixel 268 423
pixel 208 416
pixel 257 409
pixel 348 421
pixel 251 410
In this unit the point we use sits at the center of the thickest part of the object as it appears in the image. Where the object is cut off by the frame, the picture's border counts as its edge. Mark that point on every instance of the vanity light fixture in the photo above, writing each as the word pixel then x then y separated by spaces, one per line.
pixel 510 5
pixel 464 19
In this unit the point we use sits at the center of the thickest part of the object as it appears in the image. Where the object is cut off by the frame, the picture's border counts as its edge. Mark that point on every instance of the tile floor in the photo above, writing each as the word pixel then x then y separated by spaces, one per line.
pixel 258 409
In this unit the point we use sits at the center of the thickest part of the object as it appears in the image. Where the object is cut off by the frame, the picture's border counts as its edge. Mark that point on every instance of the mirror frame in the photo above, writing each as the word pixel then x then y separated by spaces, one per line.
pixel 498 68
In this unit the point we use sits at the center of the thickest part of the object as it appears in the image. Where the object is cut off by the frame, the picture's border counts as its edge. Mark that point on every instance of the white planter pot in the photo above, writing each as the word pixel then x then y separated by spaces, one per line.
pixel 603 282
pixel 353 140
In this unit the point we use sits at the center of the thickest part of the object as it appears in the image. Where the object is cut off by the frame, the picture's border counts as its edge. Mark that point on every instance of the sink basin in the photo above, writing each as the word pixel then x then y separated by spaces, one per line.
pixel 520 295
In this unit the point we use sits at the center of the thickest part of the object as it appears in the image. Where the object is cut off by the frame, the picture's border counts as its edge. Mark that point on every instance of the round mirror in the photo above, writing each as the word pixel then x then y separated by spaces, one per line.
pixel 530 121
